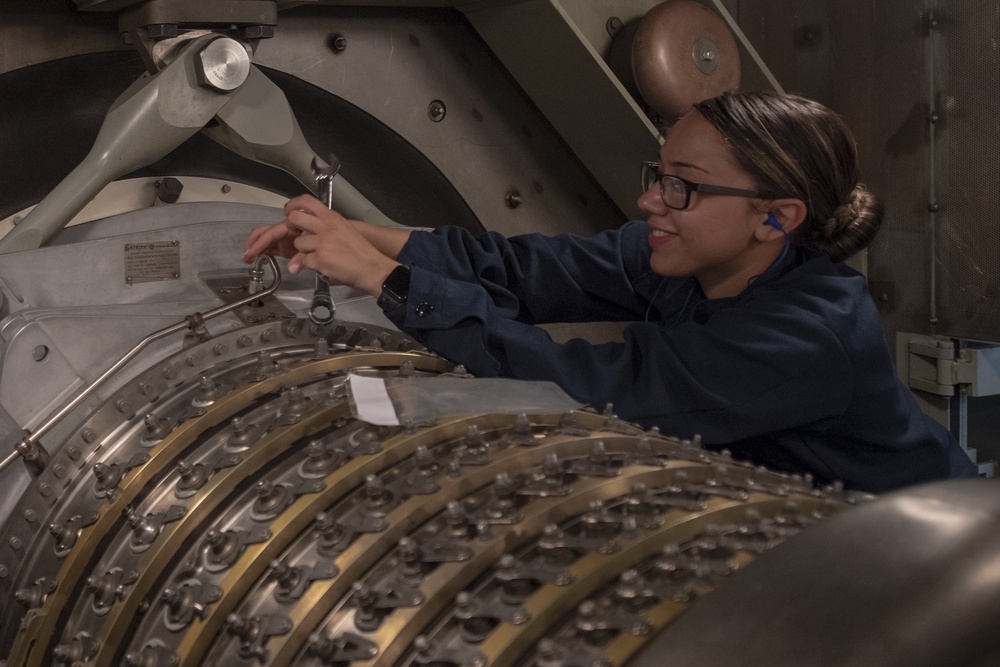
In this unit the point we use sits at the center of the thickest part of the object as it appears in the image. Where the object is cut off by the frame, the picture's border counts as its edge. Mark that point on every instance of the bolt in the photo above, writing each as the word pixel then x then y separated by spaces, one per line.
pixel 215 539
pixel 512 199
pixel 436 111
pixel 226 188
pixel 102 471
pixel 223 65
pixel 336 42
pixel 244 341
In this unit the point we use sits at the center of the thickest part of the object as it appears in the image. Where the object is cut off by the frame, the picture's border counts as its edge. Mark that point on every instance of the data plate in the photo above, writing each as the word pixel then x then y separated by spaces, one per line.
pixel 150 262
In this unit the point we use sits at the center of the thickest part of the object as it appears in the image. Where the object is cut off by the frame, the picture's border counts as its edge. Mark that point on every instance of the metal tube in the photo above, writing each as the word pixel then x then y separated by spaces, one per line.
pixel 13 456
pixel 932 204
pixel 33 439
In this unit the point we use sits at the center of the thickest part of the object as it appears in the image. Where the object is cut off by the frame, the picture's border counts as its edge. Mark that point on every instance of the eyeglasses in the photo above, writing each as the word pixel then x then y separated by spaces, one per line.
pixel 676 191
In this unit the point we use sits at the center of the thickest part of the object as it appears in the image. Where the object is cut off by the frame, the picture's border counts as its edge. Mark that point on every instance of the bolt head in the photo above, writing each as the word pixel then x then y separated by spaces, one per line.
pixel 223 65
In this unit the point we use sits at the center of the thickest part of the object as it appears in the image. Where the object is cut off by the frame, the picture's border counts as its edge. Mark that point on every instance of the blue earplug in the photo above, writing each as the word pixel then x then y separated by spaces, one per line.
pixel 773 221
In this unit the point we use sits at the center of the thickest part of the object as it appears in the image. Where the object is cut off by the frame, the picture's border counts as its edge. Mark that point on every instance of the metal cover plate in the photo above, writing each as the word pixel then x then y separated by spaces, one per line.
pixel 150 262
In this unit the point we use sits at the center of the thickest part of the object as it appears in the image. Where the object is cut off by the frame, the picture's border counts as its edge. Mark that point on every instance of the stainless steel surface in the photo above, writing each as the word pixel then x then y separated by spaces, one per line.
pixel 194 322
pixel 910 579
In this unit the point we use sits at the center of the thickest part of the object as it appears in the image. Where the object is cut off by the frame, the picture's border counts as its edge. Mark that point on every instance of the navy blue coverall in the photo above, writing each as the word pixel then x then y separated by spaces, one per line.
pixel 793 374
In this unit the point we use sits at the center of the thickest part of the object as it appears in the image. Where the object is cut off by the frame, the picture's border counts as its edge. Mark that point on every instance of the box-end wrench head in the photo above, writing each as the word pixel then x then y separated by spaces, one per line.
pixel 322 310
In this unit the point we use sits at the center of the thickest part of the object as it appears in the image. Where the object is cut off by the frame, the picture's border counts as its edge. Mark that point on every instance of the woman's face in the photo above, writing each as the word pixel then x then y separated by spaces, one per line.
pixel 713 239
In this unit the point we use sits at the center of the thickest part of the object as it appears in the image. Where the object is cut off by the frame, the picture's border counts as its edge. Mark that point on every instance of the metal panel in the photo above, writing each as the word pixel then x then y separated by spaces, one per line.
pixel 563 74
pixel 967 67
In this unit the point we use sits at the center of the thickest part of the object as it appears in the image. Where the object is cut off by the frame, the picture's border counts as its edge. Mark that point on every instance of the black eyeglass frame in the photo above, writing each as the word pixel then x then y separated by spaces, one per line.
pixel 651 174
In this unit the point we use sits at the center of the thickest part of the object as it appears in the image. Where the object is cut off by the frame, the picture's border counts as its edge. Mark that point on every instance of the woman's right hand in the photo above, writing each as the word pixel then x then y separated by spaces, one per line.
pixel 277 239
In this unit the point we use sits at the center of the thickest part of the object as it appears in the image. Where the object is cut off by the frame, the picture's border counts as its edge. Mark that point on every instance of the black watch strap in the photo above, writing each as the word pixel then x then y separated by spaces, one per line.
pixel 395 288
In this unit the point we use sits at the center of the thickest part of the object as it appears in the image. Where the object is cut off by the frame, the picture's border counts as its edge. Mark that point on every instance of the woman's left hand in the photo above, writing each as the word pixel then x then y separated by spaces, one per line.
pixel 327 242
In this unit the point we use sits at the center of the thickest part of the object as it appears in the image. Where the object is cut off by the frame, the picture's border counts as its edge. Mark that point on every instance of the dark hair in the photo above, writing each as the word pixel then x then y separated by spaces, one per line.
pixel 795 147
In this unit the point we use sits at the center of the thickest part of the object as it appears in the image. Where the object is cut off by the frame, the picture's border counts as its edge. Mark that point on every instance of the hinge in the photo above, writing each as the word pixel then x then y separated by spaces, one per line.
pixel 938 368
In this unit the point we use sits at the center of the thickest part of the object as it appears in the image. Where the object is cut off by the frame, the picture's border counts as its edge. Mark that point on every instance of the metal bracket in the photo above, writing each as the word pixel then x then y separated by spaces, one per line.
pixel 937 367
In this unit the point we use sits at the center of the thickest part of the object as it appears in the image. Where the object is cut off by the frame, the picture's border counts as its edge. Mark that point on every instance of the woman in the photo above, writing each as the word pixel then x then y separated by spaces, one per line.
pixel 747 329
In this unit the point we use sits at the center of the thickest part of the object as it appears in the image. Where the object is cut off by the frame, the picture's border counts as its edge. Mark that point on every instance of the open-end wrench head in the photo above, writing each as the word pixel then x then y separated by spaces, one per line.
pixel 328 170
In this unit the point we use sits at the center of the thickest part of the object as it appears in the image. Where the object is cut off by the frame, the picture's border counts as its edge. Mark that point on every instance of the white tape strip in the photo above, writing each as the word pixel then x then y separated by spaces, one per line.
pixel 372 401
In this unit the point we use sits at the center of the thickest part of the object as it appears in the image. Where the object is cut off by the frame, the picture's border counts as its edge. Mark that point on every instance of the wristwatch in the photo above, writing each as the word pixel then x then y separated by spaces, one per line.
pixel 395 288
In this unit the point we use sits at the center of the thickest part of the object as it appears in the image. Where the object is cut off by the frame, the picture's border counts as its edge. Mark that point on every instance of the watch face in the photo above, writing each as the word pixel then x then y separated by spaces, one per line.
pixel 395 288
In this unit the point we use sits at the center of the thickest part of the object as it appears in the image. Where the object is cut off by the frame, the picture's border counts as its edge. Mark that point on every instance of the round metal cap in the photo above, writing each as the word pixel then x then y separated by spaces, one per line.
pixel 683 53
pixel 223 64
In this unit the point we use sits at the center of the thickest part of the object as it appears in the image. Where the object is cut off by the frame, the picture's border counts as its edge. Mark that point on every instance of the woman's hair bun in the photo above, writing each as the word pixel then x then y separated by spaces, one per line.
pixel 852 226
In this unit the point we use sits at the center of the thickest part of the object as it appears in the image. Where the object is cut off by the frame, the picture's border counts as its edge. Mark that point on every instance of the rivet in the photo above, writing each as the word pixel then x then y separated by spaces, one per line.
pixel 15 542
pixel 193 360
pixel 227 188
pixel 59 470
pixel 267 336
pixel 169 373
pixel 45 489
pixel 244 341
pixel 145 388
pixel 73 453
pixel 122 406
pixel 30 516
pixel 220 349
pixel 4 572
pixel 512 199
pixel 88 435
pixel 436 111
